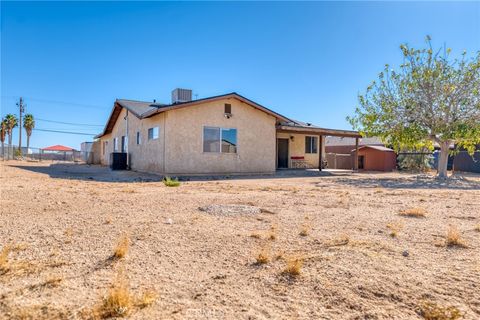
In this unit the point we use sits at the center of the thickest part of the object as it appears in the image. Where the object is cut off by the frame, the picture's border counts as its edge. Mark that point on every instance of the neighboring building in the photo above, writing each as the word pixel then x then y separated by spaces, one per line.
pixel 376 158
pixel 57 152
pixel 338 150
pixel 224 134
pixel 344 145
pixel 57 148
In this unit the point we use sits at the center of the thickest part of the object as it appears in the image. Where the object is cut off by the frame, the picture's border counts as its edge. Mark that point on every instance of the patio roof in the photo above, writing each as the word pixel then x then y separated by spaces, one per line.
pixel 307 128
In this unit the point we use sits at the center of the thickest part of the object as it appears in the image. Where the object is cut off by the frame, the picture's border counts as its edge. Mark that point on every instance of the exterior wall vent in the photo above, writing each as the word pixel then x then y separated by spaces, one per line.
pixel 181 95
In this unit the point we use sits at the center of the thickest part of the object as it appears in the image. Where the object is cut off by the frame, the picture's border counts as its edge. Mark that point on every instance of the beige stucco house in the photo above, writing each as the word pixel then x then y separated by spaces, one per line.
pixel 226 134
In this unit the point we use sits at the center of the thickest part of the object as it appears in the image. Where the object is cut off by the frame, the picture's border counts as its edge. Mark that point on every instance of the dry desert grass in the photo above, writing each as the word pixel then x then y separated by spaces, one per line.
pixel 357 258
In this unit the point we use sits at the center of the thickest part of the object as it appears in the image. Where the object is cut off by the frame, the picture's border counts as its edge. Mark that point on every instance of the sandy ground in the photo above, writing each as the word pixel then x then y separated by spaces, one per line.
pixel 65 220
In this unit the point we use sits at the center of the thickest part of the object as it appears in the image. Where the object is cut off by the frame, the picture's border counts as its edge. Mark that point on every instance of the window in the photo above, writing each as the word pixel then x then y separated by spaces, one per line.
pixel 124 144
pixel 219 140
pixel 311 144
pixel 115 144
pixel 139 139
pixel 105 145
pixel 228 108
pixel 153 133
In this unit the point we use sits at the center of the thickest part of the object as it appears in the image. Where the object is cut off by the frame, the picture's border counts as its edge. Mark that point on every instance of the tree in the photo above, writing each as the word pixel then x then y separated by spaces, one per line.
pixel 431 99
pixel 3 128
pixel 11 122
pixel 28 124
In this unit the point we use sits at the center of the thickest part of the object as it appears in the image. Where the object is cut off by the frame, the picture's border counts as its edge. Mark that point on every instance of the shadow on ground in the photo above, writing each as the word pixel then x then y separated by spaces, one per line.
pixel 105 174
pixel 89 173
pixel 421 181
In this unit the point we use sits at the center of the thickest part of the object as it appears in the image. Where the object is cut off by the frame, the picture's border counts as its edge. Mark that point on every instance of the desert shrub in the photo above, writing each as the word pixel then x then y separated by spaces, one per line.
pixel 434 311
pixel 263 256
pixel 294 266
pixel 414 212
pixel 4 265
pixel 122 246
pixel 171 182
pixel 415 162
pixel 454 238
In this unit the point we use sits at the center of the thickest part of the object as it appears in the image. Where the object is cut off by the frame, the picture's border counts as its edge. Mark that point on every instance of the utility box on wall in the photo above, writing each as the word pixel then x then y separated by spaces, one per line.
pixel 118 161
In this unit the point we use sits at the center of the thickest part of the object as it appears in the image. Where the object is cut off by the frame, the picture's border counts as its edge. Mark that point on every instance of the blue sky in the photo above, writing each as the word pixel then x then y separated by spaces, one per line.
pixel 306 60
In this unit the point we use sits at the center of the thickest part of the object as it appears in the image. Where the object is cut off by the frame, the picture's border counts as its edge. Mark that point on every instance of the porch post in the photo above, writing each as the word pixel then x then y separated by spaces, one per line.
pixel 355 160
pixel 320 153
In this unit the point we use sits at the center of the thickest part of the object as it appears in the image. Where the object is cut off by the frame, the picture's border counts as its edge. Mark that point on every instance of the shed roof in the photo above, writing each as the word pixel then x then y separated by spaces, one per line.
pixel 58 147
pixel 380 148
pixel 346 141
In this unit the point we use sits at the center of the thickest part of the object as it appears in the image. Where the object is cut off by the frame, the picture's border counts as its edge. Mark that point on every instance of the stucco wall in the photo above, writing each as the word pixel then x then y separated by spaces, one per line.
pixel 296 148
pixel 179 148
pixel 148 155
pixel 184 139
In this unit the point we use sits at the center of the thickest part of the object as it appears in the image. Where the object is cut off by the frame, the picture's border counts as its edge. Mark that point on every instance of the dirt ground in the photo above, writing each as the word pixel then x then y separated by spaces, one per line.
pixel 196 245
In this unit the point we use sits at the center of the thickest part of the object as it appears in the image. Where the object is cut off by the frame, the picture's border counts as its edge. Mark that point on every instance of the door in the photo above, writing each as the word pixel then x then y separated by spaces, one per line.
pixel 282 153
pixel 361 160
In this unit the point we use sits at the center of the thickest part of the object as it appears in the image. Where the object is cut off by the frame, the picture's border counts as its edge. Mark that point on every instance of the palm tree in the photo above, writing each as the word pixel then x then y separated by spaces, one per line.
pixel 28 124
pixel 11 121
pixel 3 128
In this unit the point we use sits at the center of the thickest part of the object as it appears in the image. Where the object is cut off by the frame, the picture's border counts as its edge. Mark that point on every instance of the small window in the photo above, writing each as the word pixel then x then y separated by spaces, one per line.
pixel 139 139
pixel 153 133
pixel 219 140
pixel 228 108
pixel 105 145
pixel 115 144
pixel 124 143
pixel 311 144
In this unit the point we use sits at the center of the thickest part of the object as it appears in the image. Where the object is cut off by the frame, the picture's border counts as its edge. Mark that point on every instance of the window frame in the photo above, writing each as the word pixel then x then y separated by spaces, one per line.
pixel 313 145
pixel 153 130
pixel 138 138
pixel 115 144
pixel 220 140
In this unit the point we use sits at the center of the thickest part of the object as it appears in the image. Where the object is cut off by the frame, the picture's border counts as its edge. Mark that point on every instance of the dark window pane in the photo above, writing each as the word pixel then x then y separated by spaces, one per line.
pixel 211 139
pixel 153 133
pixel 307 144
pixel 229 140
pixel 314 144
pixel 228 108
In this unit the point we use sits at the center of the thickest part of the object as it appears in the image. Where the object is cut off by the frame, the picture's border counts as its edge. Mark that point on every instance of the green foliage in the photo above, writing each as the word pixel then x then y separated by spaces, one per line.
pixel 415 162
pixel 431 98
pixel 169 182
pixel 11 122
pixel 3 130
pixel 29 123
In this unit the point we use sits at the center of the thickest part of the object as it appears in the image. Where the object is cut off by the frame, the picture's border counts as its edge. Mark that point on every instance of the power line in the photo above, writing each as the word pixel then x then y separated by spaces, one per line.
pixel 71 123
pixel 60 102
pixel 67 132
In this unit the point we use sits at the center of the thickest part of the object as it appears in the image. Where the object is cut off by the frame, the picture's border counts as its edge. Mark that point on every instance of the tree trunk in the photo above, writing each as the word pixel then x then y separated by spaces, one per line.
pixel 3 150
pixel 10 147
pixel 443 161
pixel 28 142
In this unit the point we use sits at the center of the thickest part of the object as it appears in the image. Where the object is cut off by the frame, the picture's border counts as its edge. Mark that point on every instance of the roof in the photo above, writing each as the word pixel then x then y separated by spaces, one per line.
pixel 303 127
pixel 379 148
pixel 346 141
pixel 143 109
pixel 58 147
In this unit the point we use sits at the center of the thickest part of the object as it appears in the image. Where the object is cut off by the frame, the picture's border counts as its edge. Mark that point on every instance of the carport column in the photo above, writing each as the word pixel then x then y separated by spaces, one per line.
pixel 320 153
pixel 355 159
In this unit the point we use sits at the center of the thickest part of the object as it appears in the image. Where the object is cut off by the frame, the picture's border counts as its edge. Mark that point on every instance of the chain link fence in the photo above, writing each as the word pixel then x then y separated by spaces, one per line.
pixel 38 154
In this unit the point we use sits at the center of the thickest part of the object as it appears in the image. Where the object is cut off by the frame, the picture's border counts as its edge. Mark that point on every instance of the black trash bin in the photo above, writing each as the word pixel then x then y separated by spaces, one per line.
pixel 118 161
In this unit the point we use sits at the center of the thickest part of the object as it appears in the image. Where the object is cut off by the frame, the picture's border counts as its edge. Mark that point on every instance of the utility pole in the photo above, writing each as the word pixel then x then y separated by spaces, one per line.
pixel 21 107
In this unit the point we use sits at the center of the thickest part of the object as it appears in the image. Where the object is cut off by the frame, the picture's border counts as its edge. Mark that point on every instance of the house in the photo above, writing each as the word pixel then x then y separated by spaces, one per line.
pixel 225 134
pixel 376 158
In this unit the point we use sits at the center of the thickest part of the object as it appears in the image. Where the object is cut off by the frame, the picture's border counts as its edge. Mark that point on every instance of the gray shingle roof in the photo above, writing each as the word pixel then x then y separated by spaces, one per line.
pixel 344 141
